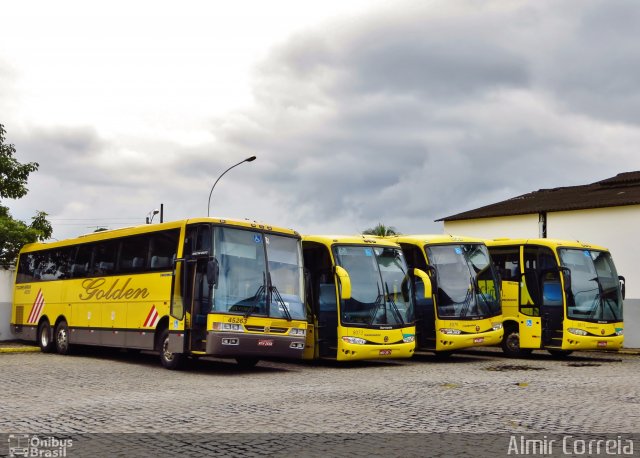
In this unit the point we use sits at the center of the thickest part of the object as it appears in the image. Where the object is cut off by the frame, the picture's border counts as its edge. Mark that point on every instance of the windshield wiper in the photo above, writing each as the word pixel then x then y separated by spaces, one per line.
pixel 279 300
pixel 256 298
pixel 376 306
pixel 467 301
pixel 603 300
pixel 480 293
pixel 394 306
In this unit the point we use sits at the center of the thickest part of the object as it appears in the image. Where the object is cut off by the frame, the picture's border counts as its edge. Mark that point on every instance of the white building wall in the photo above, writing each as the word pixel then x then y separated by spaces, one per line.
pixel 520 226
pixel 6 295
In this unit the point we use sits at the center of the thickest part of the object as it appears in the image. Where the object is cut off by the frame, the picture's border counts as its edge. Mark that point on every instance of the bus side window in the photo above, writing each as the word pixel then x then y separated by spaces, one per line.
pixel 415 259
pixel 539 264
pixel 82 261
pixel 133 254
pixel 104 257
pixel 163 247
pixel 323 290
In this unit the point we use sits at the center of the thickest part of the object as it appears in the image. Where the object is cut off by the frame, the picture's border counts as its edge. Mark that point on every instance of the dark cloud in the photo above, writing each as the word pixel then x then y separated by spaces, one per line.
pixel 594 67
pixel 400 116
pixel 422 112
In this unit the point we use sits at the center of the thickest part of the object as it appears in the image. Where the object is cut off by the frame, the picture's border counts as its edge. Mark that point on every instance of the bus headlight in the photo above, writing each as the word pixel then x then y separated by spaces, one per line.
pixel 449 331
pixel 578 332
pixel 409 339
pixel 619 332
pixel 354 340
pixel 496 326
pixel 237 327
pixel 298 332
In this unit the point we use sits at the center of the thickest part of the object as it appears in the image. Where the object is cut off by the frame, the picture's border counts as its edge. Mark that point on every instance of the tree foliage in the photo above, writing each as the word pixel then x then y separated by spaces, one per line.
pixel 381 230
pixel 13 185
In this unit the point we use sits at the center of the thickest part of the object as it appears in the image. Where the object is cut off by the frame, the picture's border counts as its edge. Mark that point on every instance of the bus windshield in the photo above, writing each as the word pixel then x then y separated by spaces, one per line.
pixel 260 274
pixel 595 289
pixel 466 281
pixel 380 293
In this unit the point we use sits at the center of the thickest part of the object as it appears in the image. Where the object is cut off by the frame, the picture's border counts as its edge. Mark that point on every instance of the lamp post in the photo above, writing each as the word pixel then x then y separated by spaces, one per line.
pixel 249 159
pixel 151 214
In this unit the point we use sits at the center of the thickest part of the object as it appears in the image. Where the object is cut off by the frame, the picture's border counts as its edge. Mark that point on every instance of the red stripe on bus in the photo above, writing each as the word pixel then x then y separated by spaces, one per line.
pixel 37 307
pixel 146 322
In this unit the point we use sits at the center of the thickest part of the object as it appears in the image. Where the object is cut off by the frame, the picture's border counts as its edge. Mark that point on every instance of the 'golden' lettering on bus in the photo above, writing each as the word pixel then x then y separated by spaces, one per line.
pixel 93 289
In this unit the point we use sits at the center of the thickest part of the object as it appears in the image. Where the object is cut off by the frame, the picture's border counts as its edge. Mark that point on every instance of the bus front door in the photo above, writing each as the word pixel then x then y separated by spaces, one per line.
pixel 552 313
pixel 199 297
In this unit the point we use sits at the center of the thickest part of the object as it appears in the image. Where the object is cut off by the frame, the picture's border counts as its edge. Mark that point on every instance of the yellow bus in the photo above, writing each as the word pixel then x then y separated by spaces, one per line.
pixel 558 295
pixel 464 310
pixel 197 287
pixel 361 298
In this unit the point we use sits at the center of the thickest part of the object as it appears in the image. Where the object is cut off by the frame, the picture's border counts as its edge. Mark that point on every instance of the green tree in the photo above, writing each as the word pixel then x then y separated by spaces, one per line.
pixel 381 230
pixel 13 185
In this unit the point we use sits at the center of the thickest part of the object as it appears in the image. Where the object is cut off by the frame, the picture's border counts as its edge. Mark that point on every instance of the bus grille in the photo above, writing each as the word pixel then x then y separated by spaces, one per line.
pixel 20 314
pixel 262 329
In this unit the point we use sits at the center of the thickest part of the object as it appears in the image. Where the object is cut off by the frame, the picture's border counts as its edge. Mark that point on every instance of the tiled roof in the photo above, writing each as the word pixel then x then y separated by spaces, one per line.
pixel 623 189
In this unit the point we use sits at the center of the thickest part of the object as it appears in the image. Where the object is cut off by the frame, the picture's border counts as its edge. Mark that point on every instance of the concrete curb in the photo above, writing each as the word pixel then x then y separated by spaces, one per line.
pixel 18 346
pixel 19 349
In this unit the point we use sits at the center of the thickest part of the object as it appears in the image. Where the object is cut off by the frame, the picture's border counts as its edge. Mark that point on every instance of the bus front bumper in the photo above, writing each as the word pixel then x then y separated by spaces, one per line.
pixel 234 344
pixel 573 342
pixel 451 342
pixel 354 352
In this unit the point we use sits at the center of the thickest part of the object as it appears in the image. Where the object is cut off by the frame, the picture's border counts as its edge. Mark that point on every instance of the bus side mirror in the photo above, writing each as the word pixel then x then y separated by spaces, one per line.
pixel 213 273
pixel 623 282
pixel 345 282
pixel 567 278
pixel 422 275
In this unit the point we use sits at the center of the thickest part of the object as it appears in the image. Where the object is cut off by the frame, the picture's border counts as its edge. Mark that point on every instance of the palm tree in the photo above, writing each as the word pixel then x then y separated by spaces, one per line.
pixel 381 230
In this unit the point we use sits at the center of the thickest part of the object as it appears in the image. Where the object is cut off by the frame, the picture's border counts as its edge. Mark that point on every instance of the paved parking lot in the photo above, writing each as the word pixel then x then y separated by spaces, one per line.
pixel 109 391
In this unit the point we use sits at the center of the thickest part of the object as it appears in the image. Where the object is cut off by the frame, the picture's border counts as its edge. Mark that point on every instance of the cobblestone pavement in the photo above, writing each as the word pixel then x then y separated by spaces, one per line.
pixel 105 391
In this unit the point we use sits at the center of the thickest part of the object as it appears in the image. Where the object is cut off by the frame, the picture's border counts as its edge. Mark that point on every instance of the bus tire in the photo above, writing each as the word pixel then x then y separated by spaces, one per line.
pixel 62 338
pixel 559 353
pixel 511 344
pixel 247 362
pixel 44 337
pixel 169 360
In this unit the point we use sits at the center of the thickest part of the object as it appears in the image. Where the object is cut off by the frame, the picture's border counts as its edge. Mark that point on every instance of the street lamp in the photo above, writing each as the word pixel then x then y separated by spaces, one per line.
pixel 249 159
pixel 151 214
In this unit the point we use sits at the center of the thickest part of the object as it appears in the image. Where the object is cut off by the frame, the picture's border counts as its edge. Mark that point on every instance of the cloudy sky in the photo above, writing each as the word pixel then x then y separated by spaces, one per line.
pixel 359 112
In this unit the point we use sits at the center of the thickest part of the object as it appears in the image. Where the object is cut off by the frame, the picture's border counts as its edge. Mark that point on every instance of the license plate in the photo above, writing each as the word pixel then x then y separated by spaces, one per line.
pixel 478 340
pixel 602 344
pixel 265 343
pixel 385 352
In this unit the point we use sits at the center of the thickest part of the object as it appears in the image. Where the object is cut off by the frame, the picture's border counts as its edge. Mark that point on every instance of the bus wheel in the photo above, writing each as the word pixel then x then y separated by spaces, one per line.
pixel 44 337
pixel 511 344
pixel 247 362
pixel 559 353
pixel 168 359
pixel 62 338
